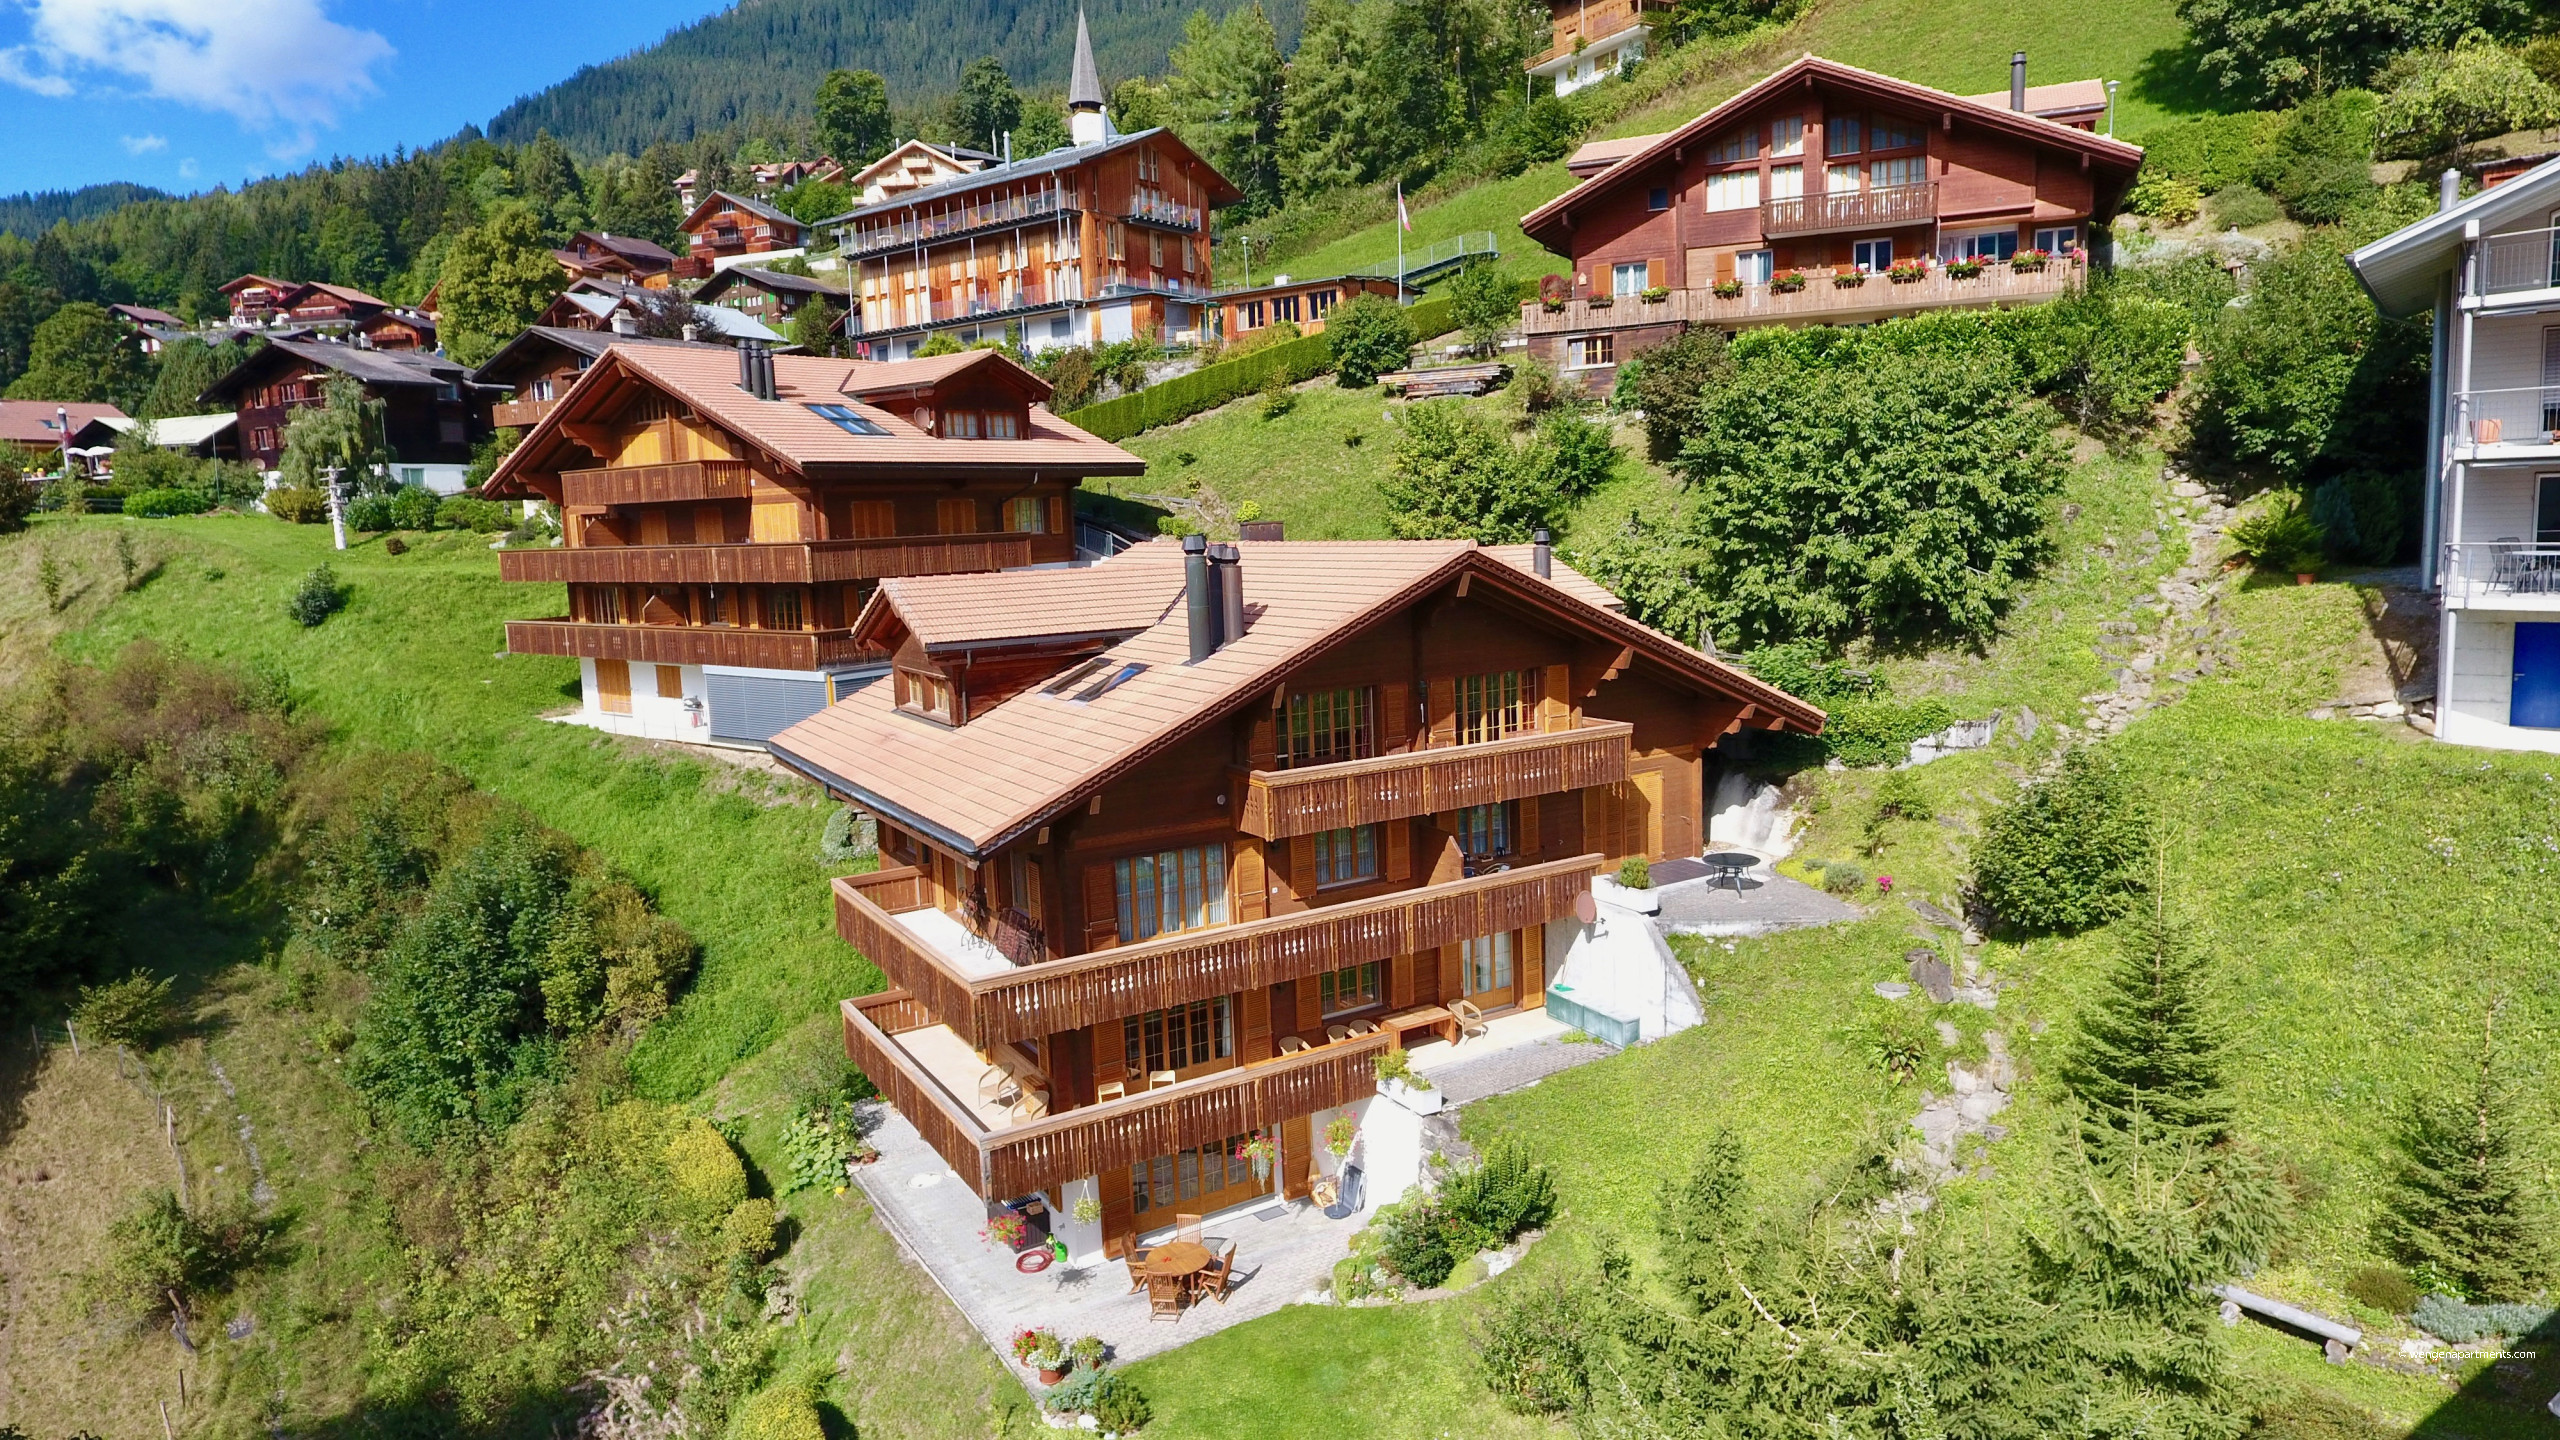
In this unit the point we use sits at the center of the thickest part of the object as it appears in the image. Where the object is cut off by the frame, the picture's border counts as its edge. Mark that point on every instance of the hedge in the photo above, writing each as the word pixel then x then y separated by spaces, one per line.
pixel 1211 386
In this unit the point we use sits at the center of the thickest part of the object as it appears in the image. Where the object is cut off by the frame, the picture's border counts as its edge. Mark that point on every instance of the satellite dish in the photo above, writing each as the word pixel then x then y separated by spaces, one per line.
pixel 1586 909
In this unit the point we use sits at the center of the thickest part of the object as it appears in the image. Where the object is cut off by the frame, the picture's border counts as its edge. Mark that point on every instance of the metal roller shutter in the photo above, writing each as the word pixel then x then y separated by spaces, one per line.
pixel 755 708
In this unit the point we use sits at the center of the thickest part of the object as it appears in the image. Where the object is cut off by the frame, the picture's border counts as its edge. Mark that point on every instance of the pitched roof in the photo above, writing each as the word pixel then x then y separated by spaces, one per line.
pixel 1084 83
pixel 1887 88
pixel 532 339
pixel 770 280
pixel 347 293
pixel 629 247
pixel 747 203
pixel 31 422
pixel 175 432
pixel 1597 155
pixel 706 377
pixel 2067 97
pixel 1222 191
pixel 380 368
pixel 1028 758
pixel 144 314
pixel 245 281
pixel 881 377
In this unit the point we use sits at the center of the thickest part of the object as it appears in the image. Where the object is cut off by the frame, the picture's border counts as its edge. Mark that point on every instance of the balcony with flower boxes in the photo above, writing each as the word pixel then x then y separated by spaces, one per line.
pixel 1590 24
pixel 989 1001
pixel 932 1076
pixel 1825 298
pixel 1278 804
pixel 689 644
pixel 801 563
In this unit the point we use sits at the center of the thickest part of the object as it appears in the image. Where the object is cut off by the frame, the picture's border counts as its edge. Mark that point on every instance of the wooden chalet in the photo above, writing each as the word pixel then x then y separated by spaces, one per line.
pixel 150 328
pixel 1593 40
pixel 597 255
pixel 1174 846
pixel 316 303
pixel 1095 242
pixel 912 166
pixel 542 362
pixel 1303 303
pixel 398 330
pixel 1824 194
pixel 728 513
pixel 36 430
pixel 727 227
pixel 772 296
pixel 434 411
pixel 257 299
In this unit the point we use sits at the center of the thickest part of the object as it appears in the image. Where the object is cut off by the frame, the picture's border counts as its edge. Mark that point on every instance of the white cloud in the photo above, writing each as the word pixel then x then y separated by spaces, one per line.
pixel 279 67
pixel 144 144
pixel 187 168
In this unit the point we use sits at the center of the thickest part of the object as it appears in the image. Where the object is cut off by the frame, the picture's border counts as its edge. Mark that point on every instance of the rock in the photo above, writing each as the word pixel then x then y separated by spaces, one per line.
pixel 1978 1107
pixel 2389 709
pixel 1978 995
pixel 1893 990
pixel 2026 723
pixel 2187 490
pixel 1948 1035
pixel 1931 974
pixel 1933 915
pixel 2324 713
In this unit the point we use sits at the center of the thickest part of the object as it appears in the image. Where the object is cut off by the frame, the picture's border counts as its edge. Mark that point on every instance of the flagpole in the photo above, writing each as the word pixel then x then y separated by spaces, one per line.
pixel 1400 224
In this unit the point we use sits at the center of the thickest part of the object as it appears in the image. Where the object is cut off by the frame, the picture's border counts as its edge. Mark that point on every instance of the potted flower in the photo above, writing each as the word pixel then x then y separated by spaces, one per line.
pixel 1906 272
pixel 1728 289
pixel 1787 283
pixel 1049 1357
pixel 1400 1082
pixel 1339 1132
pixel 2027 262
pixel 1260 1150
pixel 1849 279
pixel 1656 294
pixel 1600 300
pixel 1031 1346
pixel 1087 1210
pixel 1007 1229
pixel 1087 1352
pixel 1965 267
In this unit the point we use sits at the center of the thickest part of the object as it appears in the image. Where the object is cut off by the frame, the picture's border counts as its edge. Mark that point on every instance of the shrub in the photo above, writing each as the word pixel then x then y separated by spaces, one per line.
pixel 1485 1204
pixel 1367 338
pixel 2311 1415
pixel 1539 388
pixel 1484 303
pixel 1897 797
pixel 1072 381
pixel 370 513
pixel 1635 874
pixel 413 507
pixel 2384 1287
pixel 816 1144
pixel 850 836
pixel 133 1011
pixel 2365 515
pixel 2434 101
pixel 2209 151
pixel 705 1168
pixel 1277 398
pixel 161 1257
pixel 162 504
pixel 2066 854
pixel 2244 207
pixel 788 1411
pixel 1842 878
pixel 1451 475
pixel 2452 1320
pixel 2319 162
pixel 17 498
pixel 1532 1347
pixel 297 504
pixel 470 512
pixel 1573 455
pixel 1901 1042
pixel 747 1232
pixel 317 598
pixel 2282 538
pixel 1119 1406
pixel 1674 383
pixel 2169 201
pixel 1417 1245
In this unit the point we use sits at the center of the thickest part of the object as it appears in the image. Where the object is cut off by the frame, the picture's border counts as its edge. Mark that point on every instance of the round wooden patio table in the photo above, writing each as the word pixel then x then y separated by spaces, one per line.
pixel 1176 1261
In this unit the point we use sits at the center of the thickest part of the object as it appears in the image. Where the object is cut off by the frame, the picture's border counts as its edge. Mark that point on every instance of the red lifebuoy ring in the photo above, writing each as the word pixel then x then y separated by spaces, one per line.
pixel 1033 1261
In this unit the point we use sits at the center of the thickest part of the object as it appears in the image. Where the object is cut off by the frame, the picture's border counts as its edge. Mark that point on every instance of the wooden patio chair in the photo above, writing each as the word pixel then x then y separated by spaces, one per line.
pixel 1186 1228
pixel 1470 1019
pixel 1164 1301
pixel 993 1084
pixel 1136 1257
pixel 1221 1274
pixel 1032 1105
pixel 1291 1045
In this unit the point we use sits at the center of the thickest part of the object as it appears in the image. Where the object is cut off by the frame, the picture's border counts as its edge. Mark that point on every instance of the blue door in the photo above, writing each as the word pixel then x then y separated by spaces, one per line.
pixel 2536 699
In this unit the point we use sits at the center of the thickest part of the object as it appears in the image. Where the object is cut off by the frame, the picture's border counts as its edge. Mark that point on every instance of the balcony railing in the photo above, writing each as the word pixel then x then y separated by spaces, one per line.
pixel 688 644
pixel 1089 1139
pixel 896 314
pixel 809 562
pixel 1593 23
pixel 1281 803
pixel 1164 214
pixel 1821 299
pixel 1070 994
pixel 1883 208
pixel 2502 574
pixel 859 241
pixel 2520 415
pixel 651 484
pixel 2518 260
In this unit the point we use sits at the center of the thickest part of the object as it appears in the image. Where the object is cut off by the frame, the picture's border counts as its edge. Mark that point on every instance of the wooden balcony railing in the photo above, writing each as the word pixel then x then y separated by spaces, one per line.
pixel 1070 994
pixel 1820 300
pixel 1039 1154
pixel 688 644
pixel 1594 23
pixel 1282 803
pixel 648 484
pixel 521 412
pixel 807 562
pixel 1878 209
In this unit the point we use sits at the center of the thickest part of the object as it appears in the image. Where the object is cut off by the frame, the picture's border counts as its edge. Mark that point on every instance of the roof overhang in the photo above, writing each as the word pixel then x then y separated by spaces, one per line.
pixel 2404 270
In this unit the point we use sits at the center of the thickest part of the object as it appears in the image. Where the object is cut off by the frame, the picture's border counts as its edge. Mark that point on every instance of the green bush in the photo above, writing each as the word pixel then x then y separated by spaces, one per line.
pixel 318 597
pixel 413 507
pixel 787 1411
pixel 2366 515
pixel 1870 731
pixel 1486 1204
pixel 133 1011
pixel 160 1254
pixel 2386 1288
pixel 1635 874
pixel 1672 382
pixel 2210 151
pixel 470 512
pixel 747 1232
pixel 2167 199
pixel 370 513
pixel 2319 162
pixel 297 504
pixel 2065 854
pixel 2283 538
pixel 1119 1406
pixel 1452 475
pixel 1532 1347
pixel 1575 456
pixel 162 504
pixel 1417 1245
pixel 1367 338
pixel 1214 385
pixel 1483 303
pixel 1842 878
pixel 706 1169
pixel 2434 101
pixel 2244 207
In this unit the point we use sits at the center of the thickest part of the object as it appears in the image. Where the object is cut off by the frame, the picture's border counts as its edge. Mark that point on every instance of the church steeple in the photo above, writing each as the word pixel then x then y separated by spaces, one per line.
pixel 1085 122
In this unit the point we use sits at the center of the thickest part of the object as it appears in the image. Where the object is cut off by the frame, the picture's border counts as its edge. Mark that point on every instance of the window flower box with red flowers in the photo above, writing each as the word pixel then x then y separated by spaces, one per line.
pixel 1966 267
pixel 1786 284
pixel 1908 272
pixel 1848 279
pixel 1728 289
pixel 2028 262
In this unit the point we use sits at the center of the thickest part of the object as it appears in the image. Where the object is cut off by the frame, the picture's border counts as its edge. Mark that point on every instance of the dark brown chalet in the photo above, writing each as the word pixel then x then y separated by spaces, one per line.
pixel 726 513
pixel 595 255
pixel 1174 846
pixel 256 299
pixel 771 296
pixel 315 303
pixel 540 364
pixel 1823 194
pixel 724 225
pixel 433 412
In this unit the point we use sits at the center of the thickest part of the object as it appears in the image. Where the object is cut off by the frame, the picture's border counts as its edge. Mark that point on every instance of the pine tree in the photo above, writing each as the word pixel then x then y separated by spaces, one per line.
pixel 2148 1057
pixel 1225 94
pixel 986 105
pixel 1698 1221
pixel 1324 142
pixel 2464 1204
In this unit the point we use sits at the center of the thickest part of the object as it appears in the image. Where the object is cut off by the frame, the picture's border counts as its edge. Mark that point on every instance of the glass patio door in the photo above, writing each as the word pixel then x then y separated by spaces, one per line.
pixel 1487 962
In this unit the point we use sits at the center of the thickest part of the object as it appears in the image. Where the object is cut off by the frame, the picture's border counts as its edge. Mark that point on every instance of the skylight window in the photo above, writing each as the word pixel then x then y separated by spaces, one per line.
pixel 1108 683
pixel 845 419
pixel 1076 676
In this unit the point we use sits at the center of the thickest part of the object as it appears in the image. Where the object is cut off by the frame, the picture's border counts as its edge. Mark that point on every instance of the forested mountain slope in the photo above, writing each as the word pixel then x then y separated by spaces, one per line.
pixel 30 213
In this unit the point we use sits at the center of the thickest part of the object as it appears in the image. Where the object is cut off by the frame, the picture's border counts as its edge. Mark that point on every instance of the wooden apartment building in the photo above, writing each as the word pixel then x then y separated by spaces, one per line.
pixel 1823 194
pixel 1092 243
pixel 434 410
pixel 1174 846
pixel 727 513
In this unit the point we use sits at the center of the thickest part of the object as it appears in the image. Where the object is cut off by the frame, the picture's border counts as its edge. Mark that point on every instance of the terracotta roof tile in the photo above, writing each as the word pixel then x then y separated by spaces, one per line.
pixel 959 610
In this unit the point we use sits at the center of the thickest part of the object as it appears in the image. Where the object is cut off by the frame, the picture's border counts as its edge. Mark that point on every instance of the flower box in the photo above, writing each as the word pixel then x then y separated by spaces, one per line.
pixel 1848 279
pixel 1728 289
pixel 1601 301
pixel 1786 284
pixel 1655 295
pixel 1965 269
pixel 2027 262
pixel 1907 272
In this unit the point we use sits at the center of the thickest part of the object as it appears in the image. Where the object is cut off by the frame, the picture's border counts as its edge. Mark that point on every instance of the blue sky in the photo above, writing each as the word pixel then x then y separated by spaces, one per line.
pixel 187 94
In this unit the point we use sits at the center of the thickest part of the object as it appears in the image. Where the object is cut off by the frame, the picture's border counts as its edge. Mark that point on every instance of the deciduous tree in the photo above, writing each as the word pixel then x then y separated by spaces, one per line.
pixel 498 276
pixel 81 353
pixel 853 117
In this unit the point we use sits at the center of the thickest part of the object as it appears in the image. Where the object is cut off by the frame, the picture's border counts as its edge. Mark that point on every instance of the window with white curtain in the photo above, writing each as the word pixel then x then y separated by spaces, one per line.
pixel 1786 135
pixel 1733 190
pixel 1786 182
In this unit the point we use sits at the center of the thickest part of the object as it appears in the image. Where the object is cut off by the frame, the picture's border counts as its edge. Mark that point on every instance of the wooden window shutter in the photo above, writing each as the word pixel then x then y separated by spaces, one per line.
pixel 670 682
pixel 1527 842
pixel 1264 744
pixel 1533 966
pixel 1399 849
pixel 1555 699
pixel 1655 274
pixel 1395 716
pixel 1310 1006
pixel 613 686
pixel 1452 976
pixel 1101 907
pixel 1724 267
pixel 1119 1213
pixel 1110 1052
pixel 1257 1026
pixel 1249 884
pixel 1644 814
pixel 1400 970
pixel 1444 712
pixel 1302 868
pixel 1597 833
pixel 1297 1155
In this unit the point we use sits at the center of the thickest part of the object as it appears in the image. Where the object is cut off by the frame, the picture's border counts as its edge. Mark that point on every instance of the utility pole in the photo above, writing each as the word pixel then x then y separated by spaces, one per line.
pixel 337 509
pixel 1247 242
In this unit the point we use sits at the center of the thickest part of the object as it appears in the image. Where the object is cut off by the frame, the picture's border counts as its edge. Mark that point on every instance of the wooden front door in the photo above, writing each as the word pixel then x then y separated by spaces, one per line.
pixel 613 686
pixel 1195 1181
pixel 1489 969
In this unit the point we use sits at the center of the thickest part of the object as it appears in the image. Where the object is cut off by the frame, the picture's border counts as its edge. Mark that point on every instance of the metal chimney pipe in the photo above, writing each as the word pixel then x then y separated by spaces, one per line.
pixel 2018 80
pixel 1226 567
pixel 764 372
pixel 1542 556
pixel 2448 189
pixel 1203 603
pixel 747 366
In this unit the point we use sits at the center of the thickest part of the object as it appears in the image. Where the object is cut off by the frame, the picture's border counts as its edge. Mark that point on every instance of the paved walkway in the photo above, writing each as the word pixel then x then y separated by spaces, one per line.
pixel 1528 1048
pixel 1769 902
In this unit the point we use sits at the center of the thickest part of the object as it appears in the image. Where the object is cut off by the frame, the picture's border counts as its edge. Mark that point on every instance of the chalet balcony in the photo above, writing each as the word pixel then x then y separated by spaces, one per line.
pixel 808 562
pixel 1591 24
pixel 861 241
pixel 932 1075
pixel 1822 300
pixel 2512 575
pixel 653 484
pixel 521 412
pixel 2513 424
pixel 1282 803
pixel 1886 208
pixel 2517 266
pixel 975 989
pixel 688 644
pixel 1164 214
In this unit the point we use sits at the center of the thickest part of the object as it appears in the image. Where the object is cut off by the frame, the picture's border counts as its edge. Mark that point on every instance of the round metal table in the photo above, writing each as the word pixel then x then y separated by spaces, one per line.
pixel 1726 868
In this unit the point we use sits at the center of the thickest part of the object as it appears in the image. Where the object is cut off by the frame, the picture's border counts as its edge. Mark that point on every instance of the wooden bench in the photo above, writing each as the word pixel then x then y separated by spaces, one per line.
pixel 1438 380
pixel 2336 1340
pixel 1435 1018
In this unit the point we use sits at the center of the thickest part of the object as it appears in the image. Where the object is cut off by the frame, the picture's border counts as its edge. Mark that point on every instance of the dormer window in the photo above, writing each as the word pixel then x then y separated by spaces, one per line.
pixel 921 692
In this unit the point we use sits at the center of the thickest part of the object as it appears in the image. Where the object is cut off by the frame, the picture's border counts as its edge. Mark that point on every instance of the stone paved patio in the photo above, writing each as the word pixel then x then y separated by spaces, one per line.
pixel 1769 902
